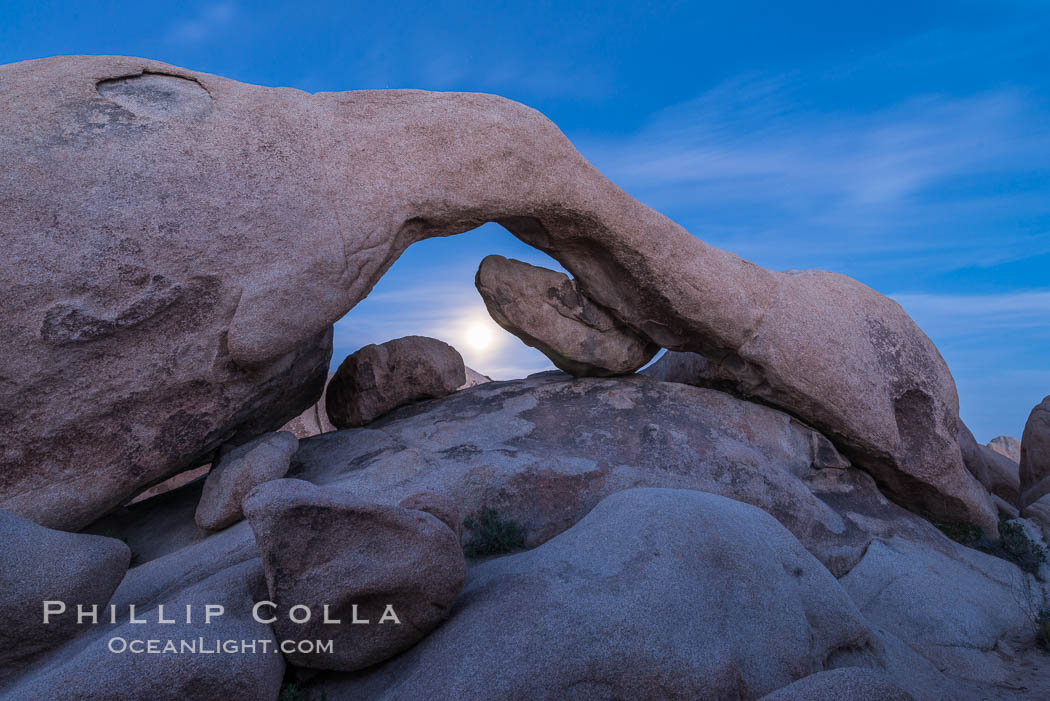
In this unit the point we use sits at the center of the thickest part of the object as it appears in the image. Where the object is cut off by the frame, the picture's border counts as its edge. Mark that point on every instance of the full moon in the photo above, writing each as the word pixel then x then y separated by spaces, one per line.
pixel 479 336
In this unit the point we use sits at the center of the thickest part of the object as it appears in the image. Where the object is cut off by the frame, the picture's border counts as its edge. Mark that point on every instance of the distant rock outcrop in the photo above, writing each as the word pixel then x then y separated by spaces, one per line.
pixel 998 473
pixel 1008 446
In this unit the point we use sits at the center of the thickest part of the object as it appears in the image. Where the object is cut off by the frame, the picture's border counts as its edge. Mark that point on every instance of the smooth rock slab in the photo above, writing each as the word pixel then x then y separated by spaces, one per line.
pixel 238 472
pixel 85 668
pixel 545 450
pixel 846 684
pixel 377 378
pixel 656 593
pixel 325 547
pixel 38 564
pixel 951 608
pixel 546 310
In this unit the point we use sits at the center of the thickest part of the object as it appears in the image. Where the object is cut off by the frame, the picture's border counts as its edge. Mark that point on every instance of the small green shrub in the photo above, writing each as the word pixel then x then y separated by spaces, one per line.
pixel 493 535
pixel 1013 545
pixel 966 533
pixel 292 692
pixel 1019 548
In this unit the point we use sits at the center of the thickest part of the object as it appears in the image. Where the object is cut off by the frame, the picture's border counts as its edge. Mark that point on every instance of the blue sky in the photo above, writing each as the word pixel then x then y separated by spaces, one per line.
pixel 906 144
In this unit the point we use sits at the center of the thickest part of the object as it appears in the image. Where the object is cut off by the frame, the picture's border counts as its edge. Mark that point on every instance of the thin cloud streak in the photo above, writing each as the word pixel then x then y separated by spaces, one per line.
pixel 947 315
pixel 749 167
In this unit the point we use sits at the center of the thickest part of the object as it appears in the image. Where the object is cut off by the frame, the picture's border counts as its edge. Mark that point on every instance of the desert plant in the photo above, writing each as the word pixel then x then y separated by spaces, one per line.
pixel 1033 603
pixel 291 692
pixel 965 533
pixel 1013 544
pixel 492 534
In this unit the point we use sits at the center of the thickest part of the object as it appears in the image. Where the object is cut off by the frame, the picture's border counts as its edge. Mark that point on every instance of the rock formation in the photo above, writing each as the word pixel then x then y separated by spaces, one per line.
pixel 133 184
pixel 474 378
pixel 996 472
pixel 377 378
pixel 314 419
pixel 87 668
pixel 444 508
pixel 239 472
pixel 547 311
pixel 545 451
pixel 753 515
pixel 1008 446
pixel 37 565
pixel 555 623
pixel 1035 455
pixel 925 468
pixel 364 562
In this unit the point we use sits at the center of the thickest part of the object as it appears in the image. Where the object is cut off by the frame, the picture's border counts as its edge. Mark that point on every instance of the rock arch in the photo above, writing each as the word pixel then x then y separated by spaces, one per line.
pixel 291 206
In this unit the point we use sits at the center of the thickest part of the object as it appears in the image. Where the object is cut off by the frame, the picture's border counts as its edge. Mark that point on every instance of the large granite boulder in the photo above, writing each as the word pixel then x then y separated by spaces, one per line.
pixel 656 593
pixel 177 246
pixel 238 472
pixel 1035 455
pixel 953 607
pixel 225 655
pixel 547 311
pixel 545 450
pixel 1039 512
pixel 377 378
pixel 39 565
pixel 387 574
pixel 918 460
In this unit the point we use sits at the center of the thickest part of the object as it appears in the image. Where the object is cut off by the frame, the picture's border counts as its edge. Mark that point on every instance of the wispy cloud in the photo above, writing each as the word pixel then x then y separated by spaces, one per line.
pixel 752 166
pixel 950 315
pixel 206 23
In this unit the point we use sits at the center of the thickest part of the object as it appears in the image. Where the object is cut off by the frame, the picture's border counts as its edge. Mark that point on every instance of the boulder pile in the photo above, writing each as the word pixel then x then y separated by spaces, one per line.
pixel 785 505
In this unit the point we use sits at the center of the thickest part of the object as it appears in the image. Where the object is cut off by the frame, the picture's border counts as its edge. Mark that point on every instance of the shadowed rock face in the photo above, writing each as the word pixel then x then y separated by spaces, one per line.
pixel 175 264
pixel 1035 454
